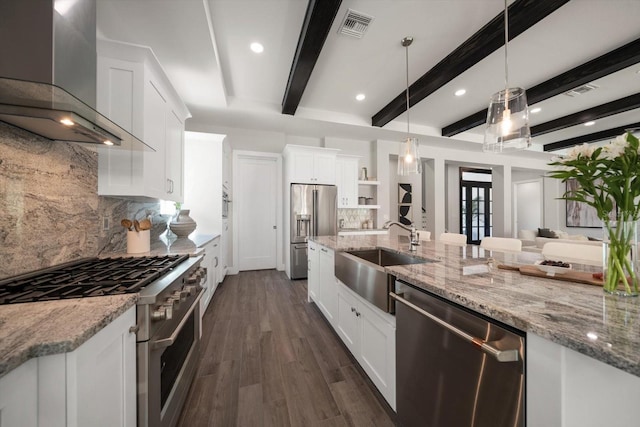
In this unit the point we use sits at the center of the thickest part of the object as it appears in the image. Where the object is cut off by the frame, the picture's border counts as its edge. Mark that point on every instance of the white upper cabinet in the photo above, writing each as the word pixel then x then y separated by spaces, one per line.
pixel 310 165
pixel 134 92
pixel 347 181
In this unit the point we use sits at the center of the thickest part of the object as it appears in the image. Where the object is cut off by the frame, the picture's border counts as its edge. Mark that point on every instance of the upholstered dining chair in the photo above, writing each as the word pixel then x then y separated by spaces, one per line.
pixel 501 244
pixel 453 238
pixel 573 252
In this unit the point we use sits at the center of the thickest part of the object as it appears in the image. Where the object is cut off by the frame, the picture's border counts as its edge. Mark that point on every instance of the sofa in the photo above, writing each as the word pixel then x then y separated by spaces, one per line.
pixel 534 240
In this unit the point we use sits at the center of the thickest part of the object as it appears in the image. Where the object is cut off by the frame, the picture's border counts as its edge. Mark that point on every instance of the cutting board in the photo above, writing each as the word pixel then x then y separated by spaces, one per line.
pixel 569 276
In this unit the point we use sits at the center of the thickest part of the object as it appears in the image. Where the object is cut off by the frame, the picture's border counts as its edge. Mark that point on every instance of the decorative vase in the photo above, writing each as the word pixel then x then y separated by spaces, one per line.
pixel 620 258
pixel 182 225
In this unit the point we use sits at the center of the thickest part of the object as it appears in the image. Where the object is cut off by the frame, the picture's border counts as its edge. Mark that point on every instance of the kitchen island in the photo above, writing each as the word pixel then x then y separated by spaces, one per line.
pixel 575 334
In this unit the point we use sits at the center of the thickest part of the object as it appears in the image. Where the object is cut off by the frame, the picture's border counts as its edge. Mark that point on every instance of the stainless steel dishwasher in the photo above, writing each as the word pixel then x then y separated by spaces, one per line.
pixel 455 368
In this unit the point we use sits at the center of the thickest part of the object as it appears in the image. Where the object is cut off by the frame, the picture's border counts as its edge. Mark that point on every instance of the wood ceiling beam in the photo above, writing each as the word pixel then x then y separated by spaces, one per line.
pixel 315 29
pixel 611 62
pixel 523 14
pixel 604 110
pixel 592 137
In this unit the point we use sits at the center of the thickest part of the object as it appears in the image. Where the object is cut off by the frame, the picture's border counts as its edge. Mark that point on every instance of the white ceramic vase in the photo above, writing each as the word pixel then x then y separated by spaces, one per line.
pixel 182 224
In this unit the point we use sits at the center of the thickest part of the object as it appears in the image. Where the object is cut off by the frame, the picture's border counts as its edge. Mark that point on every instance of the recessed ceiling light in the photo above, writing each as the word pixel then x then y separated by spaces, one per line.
pixel 257 47
pixel 535 110
pixel 460 92
pixel 107 142
pixel 360 97
pixel 67 122
pixel 591 123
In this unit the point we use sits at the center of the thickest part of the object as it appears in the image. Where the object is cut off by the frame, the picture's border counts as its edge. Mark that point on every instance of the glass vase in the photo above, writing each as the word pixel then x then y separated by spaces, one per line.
pixel 620 258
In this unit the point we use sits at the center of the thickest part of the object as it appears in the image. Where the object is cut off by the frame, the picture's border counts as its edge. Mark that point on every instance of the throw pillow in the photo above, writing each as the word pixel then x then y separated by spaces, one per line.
pixel 545 232
pixel 528 234
pixel 561 234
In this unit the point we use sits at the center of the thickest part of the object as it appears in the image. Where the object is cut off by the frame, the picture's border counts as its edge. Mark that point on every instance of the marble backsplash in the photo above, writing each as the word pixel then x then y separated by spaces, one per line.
pixel 50 210
pixel 355 218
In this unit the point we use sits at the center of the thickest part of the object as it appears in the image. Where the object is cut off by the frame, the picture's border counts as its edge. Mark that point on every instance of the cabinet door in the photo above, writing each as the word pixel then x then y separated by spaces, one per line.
pixel 225 248
pixel 19 396
pixel 348 323
pixel 101 377
pixel 226 164
pixel 174 157
pixel 342 198
pixel 120 97
pixel 313 272
pixel 303 167
pixel 214 266
pixel 378 352
pixel 347 181
pixel 327 285
pixel 155 126
pixel 324 168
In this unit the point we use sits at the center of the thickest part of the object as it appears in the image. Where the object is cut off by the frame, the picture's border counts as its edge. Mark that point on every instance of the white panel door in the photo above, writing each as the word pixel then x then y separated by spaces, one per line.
pixel 528 205
pixel 255 196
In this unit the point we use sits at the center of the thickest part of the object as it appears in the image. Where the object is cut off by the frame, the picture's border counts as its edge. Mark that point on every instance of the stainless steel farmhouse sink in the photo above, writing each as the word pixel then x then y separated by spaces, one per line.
pixel 363 272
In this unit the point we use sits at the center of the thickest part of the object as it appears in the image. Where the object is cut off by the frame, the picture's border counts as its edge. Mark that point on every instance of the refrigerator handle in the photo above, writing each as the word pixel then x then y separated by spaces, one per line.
pixel 314 217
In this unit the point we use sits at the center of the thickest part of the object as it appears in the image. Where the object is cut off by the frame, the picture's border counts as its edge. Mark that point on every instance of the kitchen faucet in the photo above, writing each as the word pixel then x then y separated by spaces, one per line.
pixel 414 236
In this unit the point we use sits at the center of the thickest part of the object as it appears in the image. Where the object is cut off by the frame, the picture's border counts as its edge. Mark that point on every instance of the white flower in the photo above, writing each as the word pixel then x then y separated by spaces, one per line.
pixel 615 148
pixel 584 150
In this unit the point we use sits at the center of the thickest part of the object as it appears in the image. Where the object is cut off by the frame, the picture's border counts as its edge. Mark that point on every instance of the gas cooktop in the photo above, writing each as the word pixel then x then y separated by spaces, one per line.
pixel 88 277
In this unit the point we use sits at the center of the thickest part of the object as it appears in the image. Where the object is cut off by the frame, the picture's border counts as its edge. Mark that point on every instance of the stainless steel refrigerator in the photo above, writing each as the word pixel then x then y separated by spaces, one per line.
pixel 313 213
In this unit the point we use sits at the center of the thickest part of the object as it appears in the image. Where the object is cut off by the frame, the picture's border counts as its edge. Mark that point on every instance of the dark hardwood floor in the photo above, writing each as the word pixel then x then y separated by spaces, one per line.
pixel 268 358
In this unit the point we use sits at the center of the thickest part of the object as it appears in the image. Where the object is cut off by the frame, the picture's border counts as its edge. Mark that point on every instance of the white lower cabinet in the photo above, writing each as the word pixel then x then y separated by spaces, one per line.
pixel 328 295
pixel 569 389
pixel 211 262
pixel 19 396
pixel 94 385
pixel 101 377
pixel 370 335
pixel 313 272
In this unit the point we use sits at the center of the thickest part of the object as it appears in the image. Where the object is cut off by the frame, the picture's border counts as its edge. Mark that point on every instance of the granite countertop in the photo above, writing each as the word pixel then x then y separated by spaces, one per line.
pixel 578 316
pixel 51 327
pixel 172 245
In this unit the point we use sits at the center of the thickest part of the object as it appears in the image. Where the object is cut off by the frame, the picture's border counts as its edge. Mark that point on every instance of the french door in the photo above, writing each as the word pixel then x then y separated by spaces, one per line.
pixel 476 216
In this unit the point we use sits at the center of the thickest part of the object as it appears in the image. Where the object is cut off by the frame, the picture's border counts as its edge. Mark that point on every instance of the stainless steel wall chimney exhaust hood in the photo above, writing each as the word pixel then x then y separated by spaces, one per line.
pixel 48 73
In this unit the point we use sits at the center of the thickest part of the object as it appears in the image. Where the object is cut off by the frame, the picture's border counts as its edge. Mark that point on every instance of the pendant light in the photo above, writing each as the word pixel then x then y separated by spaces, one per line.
pixel 508 116
pixel 408 157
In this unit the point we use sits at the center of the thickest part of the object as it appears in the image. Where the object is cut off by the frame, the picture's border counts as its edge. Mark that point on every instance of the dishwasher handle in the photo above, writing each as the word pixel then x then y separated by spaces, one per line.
pixel 500 355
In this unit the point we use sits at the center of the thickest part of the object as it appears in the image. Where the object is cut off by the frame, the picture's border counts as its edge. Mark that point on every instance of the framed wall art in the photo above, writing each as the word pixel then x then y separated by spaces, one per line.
pixel 580 214
pixel 405 212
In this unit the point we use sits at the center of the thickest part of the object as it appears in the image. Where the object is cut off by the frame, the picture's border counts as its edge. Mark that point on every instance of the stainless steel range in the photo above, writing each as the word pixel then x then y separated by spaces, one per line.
pixel 168 317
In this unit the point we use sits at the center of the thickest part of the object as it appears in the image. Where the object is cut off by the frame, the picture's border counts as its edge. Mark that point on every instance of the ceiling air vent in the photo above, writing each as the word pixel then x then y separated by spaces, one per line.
pixel 581 89
pixel 355 24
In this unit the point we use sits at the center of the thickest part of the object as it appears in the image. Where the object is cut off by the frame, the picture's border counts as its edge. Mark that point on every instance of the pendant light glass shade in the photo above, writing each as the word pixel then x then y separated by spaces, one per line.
pixel 408 156
pixel 507 122
pixel 508 116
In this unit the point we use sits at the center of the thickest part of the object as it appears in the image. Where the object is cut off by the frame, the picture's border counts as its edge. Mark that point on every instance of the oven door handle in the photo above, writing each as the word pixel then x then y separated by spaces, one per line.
pixel 499 355
pixel 166 342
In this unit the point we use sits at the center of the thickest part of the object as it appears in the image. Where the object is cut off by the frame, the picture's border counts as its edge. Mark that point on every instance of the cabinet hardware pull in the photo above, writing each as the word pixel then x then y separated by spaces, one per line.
pixel 353 309
pixel 499 355
pixel 134 329
pixel 324 250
